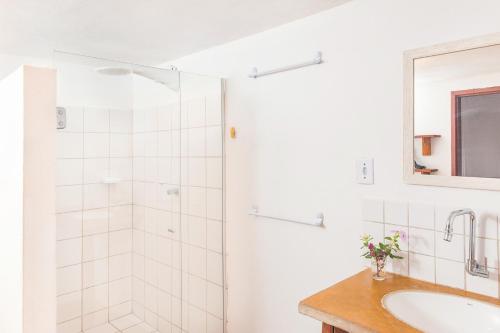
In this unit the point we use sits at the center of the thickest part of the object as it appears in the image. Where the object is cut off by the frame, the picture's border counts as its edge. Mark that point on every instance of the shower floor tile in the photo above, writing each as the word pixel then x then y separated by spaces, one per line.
pixel 141 328
pixel 125 322
pixel 106 328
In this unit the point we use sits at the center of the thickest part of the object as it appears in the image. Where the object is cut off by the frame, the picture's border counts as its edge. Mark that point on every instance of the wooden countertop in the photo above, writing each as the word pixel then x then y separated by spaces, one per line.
pixel 355 306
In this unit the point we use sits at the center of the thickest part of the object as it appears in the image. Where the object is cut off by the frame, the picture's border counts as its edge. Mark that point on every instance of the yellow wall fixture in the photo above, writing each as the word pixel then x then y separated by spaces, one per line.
pixel 232 133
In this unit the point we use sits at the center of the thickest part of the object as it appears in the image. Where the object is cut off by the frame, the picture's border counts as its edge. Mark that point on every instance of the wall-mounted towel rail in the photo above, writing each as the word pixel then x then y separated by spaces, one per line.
pixel 316 61
pixel 317 221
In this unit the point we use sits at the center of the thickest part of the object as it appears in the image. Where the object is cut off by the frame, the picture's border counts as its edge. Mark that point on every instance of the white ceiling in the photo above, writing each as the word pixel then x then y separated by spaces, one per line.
pixel 142 31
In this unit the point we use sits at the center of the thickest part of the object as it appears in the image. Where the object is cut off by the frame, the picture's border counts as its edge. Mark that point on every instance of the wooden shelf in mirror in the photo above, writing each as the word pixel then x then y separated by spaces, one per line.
pixel 426 143
pixel 426 171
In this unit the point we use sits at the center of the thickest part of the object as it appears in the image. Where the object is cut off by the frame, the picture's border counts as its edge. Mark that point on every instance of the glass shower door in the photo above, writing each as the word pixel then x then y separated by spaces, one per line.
pixel 157 282
pixel 201 162
pixel 140 199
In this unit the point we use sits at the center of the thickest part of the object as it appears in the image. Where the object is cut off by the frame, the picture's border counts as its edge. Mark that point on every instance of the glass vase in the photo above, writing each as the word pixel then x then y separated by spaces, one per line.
pixel 378 268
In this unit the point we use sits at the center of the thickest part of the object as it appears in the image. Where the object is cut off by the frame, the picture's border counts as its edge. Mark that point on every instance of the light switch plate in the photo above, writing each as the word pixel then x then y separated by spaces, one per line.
pixel 364 171
pixel 61 117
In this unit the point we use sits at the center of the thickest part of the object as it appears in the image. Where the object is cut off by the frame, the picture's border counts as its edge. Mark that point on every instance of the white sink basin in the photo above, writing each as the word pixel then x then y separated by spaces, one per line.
pixel 442 313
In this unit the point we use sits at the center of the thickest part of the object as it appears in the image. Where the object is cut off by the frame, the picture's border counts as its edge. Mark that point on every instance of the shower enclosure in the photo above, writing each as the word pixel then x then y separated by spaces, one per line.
pixel 139 199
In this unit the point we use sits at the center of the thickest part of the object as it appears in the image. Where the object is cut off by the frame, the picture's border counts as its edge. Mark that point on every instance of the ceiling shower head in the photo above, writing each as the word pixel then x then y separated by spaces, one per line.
pixel 155 77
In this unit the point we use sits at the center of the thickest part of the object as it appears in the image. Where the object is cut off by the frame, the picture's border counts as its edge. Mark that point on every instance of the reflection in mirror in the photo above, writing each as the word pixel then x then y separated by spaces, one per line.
pixel 457 113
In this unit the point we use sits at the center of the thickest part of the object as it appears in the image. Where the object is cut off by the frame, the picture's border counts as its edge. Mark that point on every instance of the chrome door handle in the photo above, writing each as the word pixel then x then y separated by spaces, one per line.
pixel 172 191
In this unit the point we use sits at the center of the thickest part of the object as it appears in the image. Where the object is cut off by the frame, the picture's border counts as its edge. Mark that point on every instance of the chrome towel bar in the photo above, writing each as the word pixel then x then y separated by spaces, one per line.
pixel 316 222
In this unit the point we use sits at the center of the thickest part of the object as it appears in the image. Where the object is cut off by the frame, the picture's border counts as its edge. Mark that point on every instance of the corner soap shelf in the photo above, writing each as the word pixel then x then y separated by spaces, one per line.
pixel 111 180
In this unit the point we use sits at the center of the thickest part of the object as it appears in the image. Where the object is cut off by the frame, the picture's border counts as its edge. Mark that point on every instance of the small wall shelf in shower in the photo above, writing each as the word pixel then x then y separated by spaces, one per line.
pixel 426 143
pixel 111 180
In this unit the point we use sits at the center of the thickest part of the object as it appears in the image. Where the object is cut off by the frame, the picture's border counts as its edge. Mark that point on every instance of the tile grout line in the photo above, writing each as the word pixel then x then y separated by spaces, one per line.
pixel 435 243
pixel 171 176
pixel 108 172
pixel 155 255
pixel 132 256
pixel 94 286
pixel 82 219
pixel 497 263
pixel 206 213
pixel 172 161
pixel 223 230
pixel 465 254
pixel 187 196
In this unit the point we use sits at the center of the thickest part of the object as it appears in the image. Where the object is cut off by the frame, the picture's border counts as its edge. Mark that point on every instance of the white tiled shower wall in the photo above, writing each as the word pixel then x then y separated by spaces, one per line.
pixel 426 255
pixel 119 246
pixel 174 273
pixel 94 220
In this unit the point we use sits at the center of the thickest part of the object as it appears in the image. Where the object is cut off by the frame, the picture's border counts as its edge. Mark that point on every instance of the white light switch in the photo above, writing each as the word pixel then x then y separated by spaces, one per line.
pixel 364 171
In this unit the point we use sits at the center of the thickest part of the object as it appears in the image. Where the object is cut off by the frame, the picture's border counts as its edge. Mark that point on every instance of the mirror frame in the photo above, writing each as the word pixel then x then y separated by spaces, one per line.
pixel 409 57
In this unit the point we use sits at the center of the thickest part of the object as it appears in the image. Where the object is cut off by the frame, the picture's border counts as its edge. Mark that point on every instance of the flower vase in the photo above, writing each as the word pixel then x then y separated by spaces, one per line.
pixel 378 268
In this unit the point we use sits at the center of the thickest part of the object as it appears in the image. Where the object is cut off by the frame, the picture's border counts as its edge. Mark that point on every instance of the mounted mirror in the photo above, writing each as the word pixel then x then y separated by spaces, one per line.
pixel 452 114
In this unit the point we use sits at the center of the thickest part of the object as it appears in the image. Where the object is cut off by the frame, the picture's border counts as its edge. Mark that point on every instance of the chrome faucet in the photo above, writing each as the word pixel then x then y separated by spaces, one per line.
pixel 472 266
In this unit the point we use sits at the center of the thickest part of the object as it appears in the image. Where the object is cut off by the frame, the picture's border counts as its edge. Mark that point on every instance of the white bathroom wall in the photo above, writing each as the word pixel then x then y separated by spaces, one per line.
pixel 299 133
pixel 11 97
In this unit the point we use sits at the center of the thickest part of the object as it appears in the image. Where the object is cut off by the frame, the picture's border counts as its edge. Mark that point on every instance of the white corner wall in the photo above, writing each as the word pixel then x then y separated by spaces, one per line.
pixel 11 215
pixel 27 98
pixel 299 133
pixel 39 221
